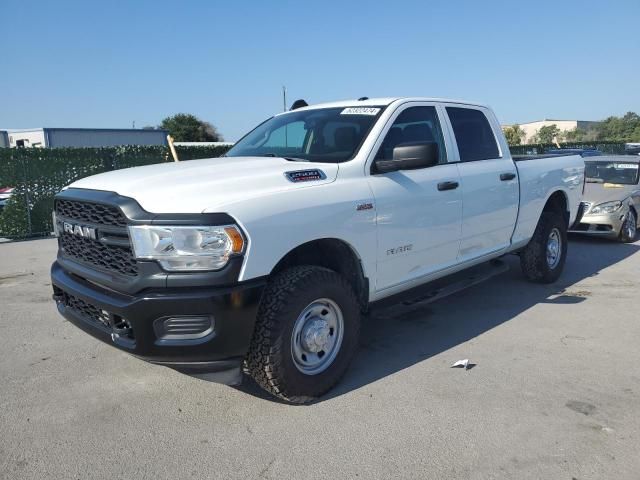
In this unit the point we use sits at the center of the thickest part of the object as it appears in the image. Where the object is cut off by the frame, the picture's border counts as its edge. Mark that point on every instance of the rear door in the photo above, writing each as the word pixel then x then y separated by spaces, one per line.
pixel 418 212
pixel 489 179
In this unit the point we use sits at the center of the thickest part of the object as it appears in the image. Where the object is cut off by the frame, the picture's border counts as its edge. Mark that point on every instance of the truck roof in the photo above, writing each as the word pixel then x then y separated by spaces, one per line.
pixel 384 101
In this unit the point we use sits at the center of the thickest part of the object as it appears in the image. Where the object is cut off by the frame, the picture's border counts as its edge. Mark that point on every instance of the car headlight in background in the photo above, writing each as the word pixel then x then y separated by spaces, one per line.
pixel 605 208
pixel 187 248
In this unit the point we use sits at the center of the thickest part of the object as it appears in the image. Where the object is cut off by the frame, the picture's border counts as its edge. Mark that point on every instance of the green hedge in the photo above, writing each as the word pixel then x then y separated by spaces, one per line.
pixel 615 148
pixel 38 174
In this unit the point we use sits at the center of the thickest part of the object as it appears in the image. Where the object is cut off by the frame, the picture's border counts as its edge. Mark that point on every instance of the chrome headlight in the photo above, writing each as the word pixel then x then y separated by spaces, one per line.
pixel 605 208
pixel 187 248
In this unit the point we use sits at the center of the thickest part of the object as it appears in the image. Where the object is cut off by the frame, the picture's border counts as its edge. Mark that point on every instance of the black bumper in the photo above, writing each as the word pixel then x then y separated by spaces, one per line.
pixel 101 313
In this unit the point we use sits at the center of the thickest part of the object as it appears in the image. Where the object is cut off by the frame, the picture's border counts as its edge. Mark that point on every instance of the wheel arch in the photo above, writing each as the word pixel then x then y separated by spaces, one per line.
pixel 558 201
pixel 334 254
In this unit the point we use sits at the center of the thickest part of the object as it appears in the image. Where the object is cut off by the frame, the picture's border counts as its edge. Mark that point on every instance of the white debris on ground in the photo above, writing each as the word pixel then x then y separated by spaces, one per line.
pixel 461 364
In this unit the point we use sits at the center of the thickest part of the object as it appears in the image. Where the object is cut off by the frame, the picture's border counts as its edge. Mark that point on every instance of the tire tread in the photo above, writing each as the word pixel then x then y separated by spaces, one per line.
pixel 264 361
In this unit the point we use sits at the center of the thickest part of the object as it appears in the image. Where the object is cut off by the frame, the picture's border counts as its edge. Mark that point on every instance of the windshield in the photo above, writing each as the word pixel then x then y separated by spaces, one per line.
pixel 611 172
pixel 331 135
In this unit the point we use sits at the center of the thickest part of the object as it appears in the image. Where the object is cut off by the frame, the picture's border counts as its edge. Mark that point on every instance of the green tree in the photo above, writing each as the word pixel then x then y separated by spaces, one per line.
pixel 575 135
pixel 514 135
pixel 184 127
pixel 620 129
pixel 547 133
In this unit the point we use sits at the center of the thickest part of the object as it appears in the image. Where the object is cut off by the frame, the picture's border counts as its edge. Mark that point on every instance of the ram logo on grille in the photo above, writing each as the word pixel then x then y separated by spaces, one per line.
pixel 79 230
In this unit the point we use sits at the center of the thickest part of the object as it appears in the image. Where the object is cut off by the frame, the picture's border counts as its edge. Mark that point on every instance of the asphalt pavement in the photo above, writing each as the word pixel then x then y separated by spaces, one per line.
pixel 554 392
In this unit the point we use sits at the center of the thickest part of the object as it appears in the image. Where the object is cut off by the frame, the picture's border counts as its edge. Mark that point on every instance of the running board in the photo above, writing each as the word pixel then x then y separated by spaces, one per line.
pixel 443 287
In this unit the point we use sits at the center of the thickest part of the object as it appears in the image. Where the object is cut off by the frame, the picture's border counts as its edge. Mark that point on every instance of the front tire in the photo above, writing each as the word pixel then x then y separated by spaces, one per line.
pixel 306 333
pixel 542 260
pixel 629 228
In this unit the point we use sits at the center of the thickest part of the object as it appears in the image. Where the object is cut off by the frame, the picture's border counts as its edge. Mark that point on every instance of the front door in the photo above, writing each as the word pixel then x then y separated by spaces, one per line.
pixel 418 212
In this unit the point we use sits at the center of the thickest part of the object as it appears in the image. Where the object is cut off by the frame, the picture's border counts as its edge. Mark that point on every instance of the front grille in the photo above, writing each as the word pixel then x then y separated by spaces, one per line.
pixel 111 250
pixel 95 213
pixel 106 257
pixel 581 227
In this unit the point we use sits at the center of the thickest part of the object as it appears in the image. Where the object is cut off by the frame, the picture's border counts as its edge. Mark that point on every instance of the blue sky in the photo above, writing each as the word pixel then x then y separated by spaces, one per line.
pixel 107 63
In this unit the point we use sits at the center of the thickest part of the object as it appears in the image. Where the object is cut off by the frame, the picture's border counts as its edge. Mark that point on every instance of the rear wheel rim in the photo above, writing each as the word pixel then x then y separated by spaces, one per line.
pixel 317 336
pixel 554 248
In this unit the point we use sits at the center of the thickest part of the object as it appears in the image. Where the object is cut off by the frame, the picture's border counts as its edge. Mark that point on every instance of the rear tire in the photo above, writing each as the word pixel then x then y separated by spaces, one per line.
pixel 542 260
pixel 306 333
pixel 629 228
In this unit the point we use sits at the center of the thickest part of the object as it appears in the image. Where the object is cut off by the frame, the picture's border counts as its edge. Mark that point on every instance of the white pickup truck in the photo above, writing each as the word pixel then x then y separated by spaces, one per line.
pixel 268 257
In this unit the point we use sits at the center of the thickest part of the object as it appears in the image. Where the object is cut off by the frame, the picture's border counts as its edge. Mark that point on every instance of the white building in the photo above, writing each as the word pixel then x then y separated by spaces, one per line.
pixel 85 137
pixel 531 128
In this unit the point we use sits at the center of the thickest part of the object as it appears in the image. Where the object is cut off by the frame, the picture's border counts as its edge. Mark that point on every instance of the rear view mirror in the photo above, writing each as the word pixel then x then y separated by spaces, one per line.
pixel 410 156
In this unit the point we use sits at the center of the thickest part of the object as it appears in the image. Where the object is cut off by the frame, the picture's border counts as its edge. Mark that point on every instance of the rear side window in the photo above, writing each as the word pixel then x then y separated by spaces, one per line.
pixel 474 135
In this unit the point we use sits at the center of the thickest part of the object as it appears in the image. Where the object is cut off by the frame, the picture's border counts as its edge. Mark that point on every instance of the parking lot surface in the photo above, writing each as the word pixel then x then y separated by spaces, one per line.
pixel 554 394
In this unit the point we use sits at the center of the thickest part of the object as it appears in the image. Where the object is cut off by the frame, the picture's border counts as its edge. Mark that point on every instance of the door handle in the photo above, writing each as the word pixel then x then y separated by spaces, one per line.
pixel 507 176
pixel 448 186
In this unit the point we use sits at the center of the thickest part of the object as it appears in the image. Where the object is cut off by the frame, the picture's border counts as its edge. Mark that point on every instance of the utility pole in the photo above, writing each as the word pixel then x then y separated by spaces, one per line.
pixel 284 109
pixel 284 98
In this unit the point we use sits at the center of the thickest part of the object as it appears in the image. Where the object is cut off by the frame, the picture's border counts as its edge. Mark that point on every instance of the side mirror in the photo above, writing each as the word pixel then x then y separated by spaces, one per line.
pixel 410 156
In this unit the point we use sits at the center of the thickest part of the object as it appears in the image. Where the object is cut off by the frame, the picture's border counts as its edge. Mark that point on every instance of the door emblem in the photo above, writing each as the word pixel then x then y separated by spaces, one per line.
pixel 364 206
pixel 400 249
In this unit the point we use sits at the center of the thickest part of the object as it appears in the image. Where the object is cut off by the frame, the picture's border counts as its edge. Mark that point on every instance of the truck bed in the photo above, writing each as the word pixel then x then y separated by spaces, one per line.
pixel 522 158
pixel 537 180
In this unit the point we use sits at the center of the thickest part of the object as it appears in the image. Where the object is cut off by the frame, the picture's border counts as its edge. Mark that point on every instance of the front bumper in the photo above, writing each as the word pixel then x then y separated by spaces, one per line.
pixel 102 313
pixel 608 225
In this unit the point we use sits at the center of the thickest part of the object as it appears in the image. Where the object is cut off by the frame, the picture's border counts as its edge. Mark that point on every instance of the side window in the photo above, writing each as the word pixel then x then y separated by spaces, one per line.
pixel 291 135
pixel 415 124
pixel 473 133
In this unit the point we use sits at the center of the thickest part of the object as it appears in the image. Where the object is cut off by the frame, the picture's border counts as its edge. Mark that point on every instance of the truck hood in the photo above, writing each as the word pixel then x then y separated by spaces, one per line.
pixel 195 186
pixel 597 193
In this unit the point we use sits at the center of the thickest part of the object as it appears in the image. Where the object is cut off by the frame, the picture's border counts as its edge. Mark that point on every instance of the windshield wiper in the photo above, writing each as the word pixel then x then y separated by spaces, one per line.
pixel 290 159
pixel 594 180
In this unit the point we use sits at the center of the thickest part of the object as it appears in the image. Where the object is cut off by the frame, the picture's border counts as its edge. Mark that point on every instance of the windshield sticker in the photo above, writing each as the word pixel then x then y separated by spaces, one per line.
pixel 360 111
pixel 626 165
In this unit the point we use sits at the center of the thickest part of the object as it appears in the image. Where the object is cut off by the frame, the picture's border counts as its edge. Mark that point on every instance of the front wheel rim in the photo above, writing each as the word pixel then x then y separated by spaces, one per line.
pixel 554 248
pixel 631 226
pixel 317 336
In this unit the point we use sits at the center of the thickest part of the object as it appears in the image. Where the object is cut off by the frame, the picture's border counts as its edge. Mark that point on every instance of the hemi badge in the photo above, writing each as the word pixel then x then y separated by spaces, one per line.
pixel 305 175
pixel 364 206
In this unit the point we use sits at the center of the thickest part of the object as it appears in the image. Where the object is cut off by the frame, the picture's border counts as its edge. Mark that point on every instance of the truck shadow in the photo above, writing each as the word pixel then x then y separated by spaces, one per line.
pixel 398 337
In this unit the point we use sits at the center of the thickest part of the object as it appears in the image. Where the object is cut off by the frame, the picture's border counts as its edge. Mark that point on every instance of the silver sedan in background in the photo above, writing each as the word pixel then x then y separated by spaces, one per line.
pixel 611 200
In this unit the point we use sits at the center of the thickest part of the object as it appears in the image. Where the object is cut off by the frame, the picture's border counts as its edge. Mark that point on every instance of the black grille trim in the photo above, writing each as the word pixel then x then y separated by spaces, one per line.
pixel 87 311
pixel 111 251
pixel 118 259
pixel 99 318
pixel 94 213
